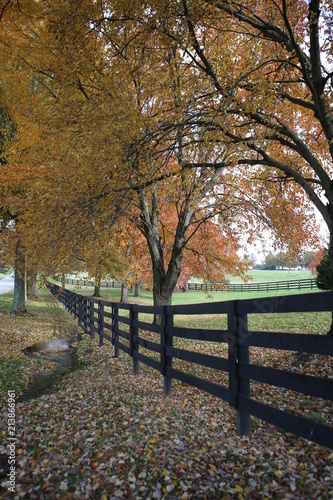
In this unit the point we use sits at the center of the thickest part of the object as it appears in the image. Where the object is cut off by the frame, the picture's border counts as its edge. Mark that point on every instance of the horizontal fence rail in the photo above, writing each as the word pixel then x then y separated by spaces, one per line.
pixel 87 282
pixel 123 325
pixel 269 286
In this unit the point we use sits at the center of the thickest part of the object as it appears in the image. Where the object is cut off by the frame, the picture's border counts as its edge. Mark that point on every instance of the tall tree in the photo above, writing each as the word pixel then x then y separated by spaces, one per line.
pixel 276 105
pixel 11 190
pixel 111 128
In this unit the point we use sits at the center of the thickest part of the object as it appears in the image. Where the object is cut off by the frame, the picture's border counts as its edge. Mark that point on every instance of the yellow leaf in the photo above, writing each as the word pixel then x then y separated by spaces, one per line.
pixel 238 489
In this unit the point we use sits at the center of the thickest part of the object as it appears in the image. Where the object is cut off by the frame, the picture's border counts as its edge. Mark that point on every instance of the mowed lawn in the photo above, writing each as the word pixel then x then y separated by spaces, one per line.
pixel 196 297
pixel 105 433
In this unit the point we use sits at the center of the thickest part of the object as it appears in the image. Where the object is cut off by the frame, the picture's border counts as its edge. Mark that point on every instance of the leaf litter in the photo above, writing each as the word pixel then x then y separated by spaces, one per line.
pixel 108 434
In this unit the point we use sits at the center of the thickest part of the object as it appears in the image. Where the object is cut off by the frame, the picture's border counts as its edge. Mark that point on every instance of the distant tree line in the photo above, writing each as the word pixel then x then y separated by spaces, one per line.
pixel 285 259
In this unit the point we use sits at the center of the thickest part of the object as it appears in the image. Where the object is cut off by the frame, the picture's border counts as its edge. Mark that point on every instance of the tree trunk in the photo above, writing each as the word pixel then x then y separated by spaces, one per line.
pixel 137 288
pixel 124 292
pixel 330 254
pixel 164 281
pixel 18 306
pixel 32 285
pixel 97 290
pixel 63 281
pixel 25 280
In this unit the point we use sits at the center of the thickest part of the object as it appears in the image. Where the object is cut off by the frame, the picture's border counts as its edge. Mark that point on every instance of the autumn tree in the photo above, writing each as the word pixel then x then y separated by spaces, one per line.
pixel 211 255
pixel 316 260
pixel 71 94
pixel 110 128
pixel 276 104
pixel 308 257
pixel 11 190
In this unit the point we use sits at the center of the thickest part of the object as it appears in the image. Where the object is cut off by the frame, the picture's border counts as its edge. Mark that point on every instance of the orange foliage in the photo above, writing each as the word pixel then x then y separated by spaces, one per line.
pixel 160 118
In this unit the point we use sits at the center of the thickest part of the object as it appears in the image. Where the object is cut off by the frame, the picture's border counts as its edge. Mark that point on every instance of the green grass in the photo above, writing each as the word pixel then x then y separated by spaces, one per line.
pixel 40 305
pixel 257 275
pixel 196 297
pixel 6 301
pixel 192 297
pixel 316 323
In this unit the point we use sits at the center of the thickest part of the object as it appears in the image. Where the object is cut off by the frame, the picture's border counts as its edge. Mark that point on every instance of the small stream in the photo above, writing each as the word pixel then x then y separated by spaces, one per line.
pixel 62 352
pixel 59 351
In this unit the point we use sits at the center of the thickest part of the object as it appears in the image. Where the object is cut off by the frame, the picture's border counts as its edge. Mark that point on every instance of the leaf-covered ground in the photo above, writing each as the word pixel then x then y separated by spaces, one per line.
pixel 108 434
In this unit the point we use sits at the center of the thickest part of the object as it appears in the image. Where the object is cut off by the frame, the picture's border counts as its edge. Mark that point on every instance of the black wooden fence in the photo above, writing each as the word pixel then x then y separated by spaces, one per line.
pixel 267 286
pixel 110 321
pixel 87 282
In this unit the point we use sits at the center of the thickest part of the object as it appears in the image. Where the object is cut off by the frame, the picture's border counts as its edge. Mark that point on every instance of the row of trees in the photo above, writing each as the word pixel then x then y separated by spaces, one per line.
pixel 152 135
pixel 284 259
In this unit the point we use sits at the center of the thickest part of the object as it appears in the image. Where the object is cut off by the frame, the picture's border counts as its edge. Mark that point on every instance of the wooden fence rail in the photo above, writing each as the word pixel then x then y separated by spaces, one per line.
pixel 123 324
pixel 268 286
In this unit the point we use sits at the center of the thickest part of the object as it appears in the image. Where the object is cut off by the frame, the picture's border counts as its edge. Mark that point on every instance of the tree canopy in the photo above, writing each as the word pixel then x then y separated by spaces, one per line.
pixel 187 122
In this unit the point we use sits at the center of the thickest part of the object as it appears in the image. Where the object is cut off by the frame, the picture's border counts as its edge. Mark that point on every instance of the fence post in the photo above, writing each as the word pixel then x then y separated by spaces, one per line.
pixel 243 418
pixel 100 322
pixel 166 341
pixel 84 313
pixel 238 353
pixel 134 334
pixel 76 306
pixel 115 332
pixel 80 309
pixel 87 313
pixel 92 318
pixel 232 354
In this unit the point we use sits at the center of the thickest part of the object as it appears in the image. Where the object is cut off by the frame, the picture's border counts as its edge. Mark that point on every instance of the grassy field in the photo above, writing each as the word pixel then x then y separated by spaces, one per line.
pixel 261 276
pixel 192 297
pixel 256 276
pixel 318 323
